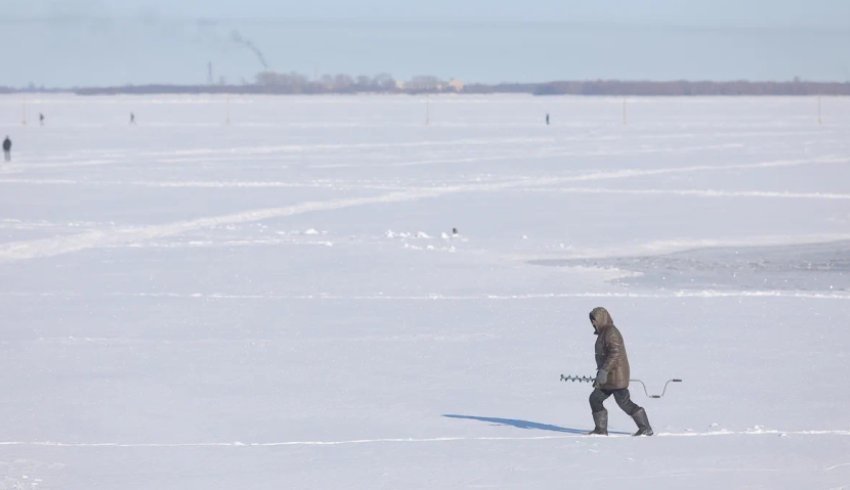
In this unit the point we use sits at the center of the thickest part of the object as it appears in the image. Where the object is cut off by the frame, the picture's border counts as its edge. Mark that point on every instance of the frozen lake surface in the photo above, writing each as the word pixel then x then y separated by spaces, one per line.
pixel 267 292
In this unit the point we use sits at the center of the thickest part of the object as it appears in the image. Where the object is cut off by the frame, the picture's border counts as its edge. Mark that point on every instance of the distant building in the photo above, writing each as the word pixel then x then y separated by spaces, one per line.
pixel 455 85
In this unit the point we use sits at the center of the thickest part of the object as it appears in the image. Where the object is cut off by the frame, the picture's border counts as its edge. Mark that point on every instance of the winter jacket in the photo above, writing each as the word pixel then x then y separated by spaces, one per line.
pixel 610 350
pixel 7 144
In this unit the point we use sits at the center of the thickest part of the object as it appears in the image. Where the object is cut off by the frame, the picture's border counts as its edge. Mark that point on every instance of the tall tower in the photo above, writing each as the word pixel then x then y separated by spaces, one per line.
pixel 209 73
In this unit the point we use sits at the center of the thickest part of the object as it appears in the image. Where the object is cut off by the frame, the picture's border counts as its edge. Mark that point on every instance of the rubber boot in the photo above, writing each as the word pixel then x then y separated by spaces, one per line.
pixel 642 422
pixel 601 421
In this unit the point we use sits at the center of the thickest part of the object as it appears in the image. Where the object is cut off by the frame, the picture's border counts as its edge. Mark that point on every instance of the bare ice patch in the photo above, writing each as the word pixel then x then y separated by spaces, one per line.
pixel 797 267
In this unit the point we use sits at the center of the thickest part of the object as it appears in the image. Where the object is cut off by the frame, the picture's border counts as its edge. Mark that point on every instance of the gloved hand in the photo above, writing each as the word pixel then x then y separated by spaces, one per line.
pixel 601 378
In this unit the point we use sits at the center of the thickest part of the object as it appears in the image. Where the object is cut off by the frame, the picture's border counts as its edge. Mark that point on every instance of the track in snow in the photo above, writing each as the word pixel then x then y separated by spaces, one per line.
pixel 239 444
pixel 50 247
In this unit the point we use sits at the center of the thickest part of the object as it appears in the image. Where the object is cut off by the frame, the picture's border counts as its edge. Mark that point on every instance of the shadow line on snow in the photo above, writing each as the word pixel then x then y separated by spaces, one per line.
pixel 523 424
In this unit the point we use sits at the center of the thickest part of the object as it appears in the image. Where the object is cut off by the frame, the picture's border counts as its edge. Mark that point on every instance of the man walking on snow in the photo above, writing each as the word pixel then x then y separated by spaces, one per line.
pixel 612 376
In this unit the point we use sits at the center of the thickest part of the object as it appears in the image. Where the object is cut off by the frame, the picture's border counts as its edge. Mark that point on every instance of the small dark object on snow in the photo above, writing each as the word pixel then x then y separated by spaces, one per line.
pixel 7 148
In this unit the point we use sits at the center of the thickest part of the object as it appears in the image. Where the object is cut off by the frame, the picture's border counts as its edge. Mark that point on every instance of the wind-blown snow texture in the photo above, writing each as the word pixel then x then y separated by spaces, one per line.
pixel 280 302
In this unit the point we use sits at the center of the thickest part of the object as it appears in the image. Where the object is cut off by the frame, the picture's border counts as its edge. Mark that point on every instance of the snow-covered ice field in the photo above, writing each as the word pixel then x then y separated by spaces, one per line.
pixel 280 302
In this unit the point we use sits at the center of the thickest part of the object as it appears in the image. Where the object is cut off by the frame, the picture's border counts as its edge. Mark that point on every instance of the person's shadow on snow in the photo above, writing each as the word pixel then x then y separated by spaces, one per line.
pixel 524 424
pixel 520 424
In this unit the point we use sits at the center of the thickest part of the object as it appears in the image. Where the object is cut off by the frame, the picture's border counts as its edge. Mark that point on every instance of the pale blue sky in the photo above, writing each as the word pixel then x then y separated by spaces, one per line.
pixel 107 42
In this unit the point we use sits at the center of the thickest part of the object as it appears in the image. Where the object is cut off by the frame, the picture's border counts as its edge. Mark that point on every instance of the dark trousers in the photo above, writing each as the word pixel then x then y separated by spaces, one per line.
pixel 622 397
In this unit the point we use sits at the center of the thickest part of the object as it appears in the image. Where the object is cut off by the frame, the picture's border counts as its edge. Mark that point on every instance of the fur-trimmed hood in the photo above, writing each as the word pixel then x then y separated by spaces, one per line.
pixel 600 319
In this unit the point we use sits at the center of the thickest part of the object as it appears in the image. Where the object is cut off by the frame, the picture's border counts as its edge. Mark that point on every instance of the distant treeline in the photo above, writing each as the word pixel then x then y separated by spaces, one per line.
pixel 683 87
pixel 294 83
pixel 664 88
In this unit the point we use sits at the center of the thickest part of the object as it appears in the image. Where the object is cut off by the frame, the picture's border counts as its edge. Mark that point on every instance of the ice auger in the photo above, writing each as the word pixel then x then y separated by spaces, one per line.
pixel 591 379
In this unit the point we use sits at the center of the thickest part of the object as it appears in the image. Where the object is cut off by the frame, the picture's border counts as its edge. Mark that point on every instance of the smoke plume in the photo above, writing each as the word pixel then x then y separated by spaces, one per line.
pixel 239 39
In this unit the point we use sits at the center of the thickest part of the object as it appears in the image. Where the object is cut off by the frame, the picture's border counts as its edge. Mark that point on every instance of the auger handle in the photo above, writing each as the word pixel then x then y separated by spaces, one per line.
pixel 674 380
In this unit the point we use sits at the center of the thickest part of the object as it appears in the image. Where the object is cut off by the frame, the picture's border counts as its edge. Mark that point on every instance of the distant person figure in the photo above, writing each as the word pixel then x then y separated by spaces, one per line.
pixel 547 118
pixel 41 118
pixel 7 148
pixel 132 118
